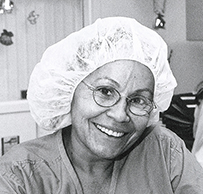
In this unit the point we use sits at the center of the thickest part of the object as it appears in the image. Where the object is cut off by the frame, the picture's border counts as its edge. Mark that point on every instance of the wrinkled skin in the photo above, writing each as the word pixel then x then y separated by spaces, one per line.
pixel 88 118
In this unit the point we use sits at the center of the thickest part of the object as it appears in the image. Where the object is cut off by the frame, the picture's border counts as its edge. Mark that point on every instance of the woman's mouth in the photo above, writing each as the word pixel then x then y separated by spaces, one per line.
pixel 109 132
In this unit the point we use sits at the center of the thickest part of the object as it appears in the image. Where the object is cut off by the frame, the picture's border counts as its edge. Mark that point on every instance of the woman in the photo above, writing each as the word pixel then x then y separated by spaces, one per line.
pixel 101 89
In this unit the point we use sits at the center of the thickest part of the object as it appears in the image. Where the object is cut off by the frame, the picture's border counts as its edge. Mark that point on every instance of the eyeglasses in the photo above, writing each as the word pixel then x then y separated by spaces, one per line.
pixel 107 96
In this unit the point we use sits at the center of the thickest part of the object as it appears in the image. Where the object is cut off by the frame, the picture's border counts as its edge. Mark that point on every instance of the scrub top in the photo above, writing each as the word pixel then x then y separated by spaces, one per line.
pixel 158 164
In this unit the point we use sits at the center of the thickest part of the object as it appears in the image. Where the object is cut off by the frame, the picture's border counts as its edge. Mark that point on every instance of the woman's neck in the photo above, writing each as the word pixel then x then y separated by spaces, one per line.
pixel 82 158
pixel 94 173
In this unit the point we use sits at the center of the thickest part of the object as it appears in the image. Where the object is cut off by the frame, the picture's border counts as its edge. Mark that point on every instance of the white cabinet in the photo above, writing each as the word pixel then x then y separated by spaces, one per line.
pixel 15 120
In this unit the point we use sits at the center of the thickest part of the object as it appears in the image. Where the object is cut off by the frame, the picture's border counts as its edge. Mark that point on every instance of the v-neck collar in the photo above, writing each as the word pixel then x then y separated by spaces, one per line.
pixel 71 170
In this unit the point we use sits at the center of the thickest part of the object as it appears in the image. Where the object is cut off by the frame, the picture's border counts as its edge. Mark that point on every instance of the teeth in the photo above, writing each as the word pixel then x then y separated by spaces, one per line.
pixel 109 132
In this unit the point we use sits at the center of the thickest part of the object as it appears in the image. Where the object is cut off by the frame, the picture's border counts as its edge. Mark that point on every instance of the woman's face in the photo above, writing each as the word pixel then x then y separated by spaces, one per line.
pixel 107 132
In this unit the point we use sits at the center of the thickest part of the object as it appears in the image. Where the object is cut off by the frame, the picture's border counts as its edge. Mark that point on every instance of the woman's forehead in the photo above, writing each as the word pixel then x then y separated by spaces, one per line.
pixel 124 70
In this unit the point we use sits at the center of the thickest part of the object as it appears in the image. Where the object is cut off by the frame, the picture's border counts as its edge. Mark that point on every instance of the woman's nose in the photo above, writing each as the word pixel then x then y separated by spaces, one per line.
pixel 119 112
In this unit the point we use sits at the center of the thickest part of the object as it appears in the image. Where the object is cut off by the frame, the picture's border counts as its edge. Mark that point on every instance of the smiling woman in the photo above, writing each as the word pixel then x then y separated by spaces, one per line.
pixel 108 130
pixel 102 89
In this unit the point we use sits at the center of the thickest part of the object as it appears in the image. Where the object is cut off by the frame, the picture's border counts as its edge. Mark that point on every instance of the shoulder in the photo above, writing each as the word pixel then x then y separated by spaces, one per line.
pixel 164 158
pixel 159 144
pixel 31 153
pixel 165 137
pixel 165 144
pixel 27 163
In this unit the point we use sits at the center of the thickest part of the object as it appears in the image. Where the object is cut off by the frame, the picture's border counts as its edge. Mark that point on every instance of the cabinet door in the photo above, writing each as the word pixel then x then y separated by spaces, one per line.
pixel 15 120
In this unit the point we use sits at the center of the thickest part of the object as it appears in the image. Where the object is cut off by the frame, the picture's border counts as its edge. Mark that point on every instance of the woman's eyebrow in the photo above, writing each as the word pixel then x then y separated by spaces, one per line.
pixel 109 79
pixel 141 91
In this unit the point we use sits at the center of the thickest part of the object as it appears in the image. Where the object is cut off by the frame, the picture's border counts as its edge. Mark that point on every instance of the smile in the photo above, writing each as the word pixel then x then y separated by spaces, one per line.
pixel 109 132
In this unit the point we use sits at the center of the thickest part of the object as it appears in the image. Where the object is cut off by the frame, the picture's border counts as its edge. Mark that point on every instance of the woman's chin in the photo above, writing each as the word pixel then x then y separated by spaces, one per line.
pixel 106 152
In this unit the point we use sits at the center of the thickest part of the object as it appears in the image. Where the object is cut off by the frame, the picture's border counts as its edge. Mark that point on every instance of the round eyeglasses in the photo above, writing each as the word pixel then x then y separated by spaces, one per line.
pixel 107 96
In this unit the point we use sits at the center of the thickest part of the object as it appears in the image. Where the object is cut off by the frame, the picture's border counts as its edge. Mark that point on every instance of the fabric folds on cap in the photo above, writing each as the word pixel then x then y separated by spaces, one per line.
pixel 65 64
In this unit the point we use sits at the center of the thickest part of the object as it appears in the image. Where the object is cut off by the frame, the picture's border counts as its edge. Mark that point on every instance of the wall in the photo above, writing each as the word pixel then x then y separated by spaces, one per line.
pixel 187 56
pixel 187 59
pixel 15 120
pixel 130 8
pixel 57 19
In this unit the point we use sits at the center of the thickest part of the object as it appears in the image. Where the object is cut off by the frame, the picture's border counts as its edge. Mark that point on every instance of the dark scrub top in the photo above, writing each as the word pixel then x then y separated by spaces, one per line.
pixel 159 164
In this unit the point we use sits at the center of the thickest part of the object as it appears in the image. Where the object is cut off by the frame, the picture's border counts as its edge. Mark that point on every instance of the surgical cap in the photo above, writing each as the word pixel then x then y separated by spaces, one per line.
pixel 65 64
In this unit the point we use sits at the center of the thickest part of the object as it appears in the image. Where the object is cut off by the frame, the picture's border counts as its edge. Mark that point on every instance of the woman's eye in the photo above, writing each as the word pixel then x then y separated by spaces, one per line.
pixel 105 91
pixel 138 100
